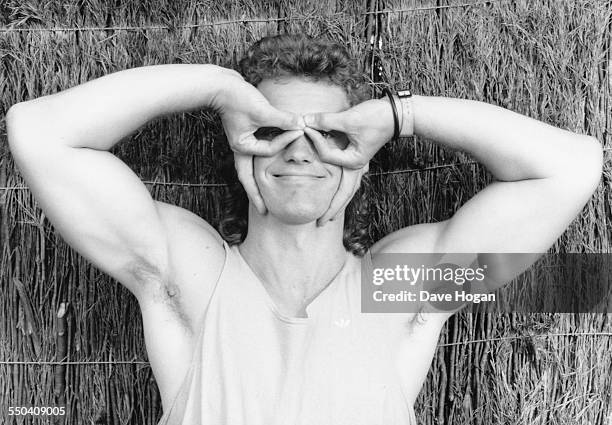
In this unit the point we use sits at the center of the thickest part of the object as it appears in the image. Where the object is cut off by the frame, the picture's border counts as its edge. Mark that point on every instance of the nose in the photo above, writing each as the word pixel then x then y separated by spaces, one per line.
pixel 301 150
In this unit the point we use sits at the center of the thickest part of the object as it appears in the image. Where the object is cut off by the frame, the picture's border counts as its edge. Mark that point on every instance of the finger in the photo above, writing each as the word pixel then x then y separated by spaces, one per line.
pixel 348 157
pixel 283 119
pixel 343 196
pixel 327 121
pixel 348 185
pixel 250 145
pixel 357 183
pixel 279 142
pixel 244 169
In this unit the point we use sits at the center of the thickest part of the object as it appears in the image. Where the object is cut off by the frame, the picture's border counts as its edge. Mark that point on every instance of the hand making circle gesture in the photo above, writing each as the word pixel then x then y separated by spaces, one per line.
pixel 243 110
pixel 368 126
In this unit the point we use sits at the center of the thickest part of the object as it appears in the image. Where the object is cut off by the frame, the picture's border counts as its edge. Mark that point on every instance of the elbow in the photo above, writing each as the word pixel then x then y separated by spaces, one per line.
pixel 584 169
pixel 16 134
pixel 12 115
pixel 591 162
pixel 15 125
pixel 24 126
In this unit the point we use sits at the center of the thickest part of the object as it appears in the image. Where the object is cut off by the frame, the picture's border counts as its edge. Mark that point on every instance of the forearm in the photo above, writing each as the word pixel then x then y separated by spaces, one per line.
pixel 99 113
pixel 512 146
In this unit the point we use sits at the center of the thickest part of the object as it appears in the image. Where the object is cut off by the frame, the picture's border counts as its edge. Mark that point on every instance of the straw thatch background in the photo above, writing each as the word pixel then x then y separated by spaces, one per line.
pixel 550 60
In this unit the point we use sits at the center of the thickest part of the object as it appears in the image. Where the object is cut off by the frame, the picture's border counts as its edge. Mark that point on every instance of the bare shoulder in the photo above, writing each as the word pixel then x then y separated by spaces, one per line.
pixel 419 238
pixel 177 218
pixel 196 257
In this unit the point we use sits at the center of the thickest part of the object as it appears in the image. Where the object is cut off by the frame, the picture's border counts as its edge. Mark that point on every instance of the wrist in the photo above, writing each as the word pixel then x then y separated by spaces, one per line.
pixel 402 110
pixel 225 82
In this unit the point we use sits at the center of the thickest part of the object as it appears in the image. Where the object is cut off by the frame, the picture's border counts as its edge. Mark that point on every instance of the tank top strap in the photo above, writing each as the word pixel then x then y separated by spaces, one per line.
pixel 180 400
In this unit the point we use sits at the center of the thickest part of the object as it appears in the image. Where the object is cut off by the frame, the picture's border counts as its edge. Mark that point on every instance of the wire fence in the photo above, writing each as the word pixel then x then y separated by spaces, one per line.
pixel 441 345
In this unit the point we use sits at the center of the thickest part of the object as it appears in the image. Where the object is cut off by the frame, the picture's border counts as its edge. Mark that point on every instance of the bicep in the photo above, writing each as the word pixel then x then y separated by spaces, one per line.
pixel 99 206
pixel 509 225
pixel 524 216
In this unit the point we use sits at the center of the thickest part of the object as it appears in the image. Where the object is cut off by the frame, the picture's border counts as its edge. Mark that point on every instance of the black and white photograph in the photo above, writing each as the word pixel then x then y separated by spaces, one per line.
pixel 302 212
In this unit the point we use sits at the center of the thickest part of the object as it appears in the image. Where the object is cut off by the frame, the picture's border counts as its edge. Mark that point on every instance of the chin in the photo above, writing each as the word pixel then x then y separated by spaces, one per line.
pixel 297 214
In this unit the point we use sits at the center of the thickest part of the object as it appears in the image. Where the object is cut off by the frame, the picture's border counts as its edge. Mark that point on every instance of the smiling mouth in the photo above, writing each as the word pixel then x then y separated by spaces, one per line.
pixel 305 176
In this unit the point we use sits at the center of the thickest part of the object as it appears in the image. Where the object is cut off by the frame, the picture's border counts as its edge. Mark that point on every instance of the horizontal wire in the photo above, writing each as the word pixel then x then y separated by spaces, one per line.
pixel 416 170
pixel 155 27
pixel 383 173
pixel 427 8
pixel 509 338
pixel 240 21
pixel 379 174
pixel 156 183
pixel 473 341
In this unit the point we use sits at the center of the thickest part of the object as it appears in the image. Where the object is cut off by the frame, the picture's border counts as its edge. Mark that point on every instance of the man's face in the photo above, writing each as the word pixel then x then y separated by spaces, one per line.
pixel 297 187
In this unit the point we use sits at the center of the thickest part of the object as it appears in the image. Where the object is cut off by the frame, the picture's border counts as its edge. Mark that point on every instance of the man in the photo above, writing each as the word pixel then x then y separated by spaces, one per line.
pixel 269 331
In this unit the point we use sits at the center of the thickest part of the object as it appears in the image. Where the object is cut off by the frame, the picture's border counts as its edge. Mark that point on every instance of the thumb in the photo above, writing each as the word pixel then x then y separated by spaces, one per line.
pixel 326 121
pixel 284 120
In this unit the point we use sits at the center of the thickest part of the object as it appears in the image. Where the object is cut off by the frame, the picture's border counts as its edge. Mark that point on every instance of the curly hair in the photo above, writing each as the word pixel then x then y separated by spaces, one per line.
pixel 315 59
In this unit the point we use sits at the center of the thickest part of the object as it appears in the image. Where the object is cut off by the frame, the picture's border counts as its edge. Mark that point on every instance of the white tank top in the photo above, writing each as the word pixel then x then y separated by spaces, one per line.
pixel 253 365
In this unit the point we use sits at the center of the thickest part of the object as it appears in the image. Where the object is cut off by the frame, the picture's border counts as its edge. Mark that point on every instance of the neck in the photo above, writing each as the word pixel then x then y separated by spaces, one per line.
pixel 293 260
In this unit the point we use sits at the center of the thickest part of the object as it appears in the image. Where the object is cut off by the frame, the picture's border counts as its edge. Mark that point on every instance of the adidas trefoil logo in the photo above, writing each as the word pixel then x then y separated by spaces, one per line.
pixel 342 323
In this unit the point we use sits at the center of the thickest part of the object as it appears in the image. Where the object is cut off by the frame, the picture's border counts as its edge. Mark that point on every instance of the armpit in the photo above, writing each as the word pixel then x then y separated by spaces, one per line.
pixel 154 284
pixel 145 273
pixel 163 293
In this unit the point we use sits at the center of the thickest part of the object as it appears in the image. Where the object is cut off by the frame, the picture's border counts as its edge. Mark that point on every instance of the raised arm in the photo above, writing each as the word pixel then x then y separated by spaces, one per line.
pixel 98 205
pixel 544 175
